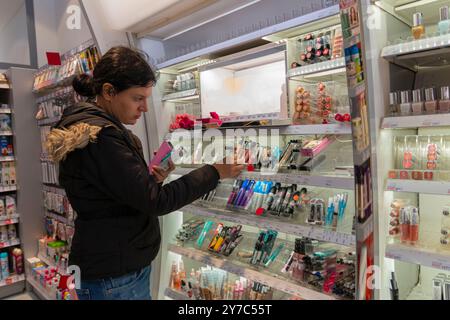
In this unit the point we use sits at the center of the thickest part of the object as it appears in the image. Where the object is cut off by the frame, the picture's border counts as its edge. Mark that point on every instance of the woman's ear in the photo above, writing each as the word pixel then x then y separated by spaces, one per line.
pixel 108 91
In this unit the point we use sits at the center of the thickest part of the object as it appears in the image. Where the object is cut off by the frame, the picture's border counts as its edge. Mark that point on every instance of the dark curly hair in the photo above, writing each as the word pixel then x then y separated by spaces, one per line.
pixel 122 67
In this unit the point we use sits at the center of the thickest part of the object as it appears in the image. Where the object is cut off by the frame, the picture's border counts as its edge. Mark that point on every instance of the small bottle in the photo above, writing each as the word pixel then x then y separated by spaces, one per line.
pixel 4 265
pixel 405 103
pixel 12 233
pixel 431 103
pixel 418 29
pixel 414 226
pixel 404 225
pixel 417 105
pixel 3 234
pixel 393 104
pixel 444 24
pixel 444 103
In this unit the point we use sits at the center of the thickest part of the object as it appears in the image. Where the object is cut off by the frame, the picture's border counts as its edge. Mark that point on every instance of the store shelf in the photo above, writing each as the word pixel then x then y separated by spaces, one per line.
pixel 335 182
pixel 422 121
pixel 54 189
pixel 424 257
pixel 427 52
pixel 10 243
pixel 319 69
pixel 48 121
pixel 175 295
pixel 12 280
pixel 336 128
pixel 287 227
pixel 5 110
pixel 39 289
pixel 5 221
pixel 6 133
pixel 417 186
pixel 183 95
pixel 59 218
pixel 253 275
pixel 253 117
pixel 7 159
pixel 8 189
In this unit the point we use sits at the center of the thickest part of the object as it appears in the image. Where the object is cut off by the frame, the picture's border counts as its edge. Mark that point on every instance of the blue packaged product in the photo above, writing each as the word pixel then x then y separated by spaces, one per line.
pixel 4 265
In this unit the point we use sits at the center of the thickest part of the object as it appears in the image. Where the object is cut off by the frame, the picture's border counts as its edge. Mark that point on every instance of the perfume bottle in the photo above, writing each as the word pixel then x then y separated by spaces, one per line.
pixel 444 103
pixel 430 100
pixel 418 29
pixel 444 24
pixel 405 103
pixel 417 105
pixel 393 104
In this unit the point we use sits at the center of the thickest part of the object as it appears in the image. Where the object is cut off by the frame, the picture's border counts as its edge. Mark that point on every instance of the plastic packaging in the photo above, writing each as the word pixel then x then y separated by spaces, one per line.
pixel 4 265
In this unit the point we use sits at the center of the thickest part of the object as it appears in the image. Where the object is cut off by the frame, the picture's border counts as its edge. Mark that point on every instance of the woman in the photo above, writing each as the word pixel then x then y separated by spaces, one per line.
pixel 108 183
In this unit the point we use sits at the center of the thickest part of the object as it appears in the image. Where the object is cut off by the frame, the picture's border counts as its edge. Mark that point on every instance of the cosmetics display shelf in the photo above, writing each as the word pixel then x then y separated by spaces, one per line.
pixel 46 261
pixel 59 218
pixel 175 295
pixel 438 259
pixel 415 53
pixel 183 95
pixel 286 130
pixel 6 133
pixel 10 243
pixel 417 186
pixel 423 121
pixel 10 220
pixel 322 68
pixel 5 110
pixel 39 289
pixel 318 233
pixel 48 121
pixel 8 189
pixel 253 275
pixel 7 159
pixel 61 83
pixel 12 280
pixel 335 182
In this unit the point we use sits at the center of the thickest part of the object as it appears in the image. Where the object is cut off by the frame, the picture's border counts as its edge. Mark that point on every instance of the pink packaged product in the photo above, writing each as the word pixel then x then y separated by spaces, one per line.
pixel 314 147
pixel 162 157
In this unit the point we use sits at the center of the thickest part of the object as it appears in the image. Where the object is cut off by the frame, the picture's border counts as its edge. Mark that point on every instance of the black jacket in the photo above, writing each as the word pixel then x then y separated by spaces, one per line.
pixel 117 201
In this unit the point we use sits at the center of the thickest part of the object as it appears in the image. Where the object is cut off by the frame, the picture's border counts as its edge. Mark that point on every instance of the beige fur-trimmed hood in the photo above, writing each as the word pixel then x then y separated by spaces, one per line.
pixel 60 142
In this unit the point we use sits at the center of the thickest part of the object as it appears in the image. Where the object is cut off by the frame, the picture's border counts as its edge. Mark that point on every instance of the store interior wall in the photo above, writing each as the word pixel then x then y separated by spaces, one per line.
pixel 14 32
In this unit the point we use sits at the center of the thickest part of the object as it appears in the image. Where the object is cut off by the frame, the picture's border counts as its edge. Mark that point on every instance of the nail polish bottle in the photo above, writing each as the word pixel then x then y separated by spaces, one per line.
pixel 444 24
pixel 417 105
pixel 444 103
pixel 430 100
pixel 405 103
pixel 393 104
pixel 418 29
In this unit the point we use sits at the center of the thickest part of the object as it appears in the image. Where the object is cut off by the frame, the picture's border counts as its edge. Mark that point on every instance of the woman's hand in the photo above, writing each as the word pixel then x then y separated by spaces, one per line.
pixel 229 171
pixel 160 174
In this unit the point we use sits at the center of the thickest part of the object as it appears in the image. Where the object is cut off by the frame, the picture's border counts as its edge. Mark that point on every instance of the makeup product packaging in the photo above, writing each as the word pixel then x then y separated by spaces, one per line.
pixel 405 221
pixel 414 226
pixel 418 29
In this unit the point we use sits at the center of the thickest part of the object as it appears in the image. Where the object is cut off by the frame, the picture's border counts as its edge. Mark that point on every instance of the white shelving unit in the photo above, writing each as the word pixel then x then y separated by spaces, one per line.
pixel 425 257
pixel 5 221
pixel 253 275
pixel 182 96
pixel 314 232
pixel 322 68
pixel 344 183
pixel 39 289
pixel 12 280
pixel 422 121
pixel 419 186
pixel 10 243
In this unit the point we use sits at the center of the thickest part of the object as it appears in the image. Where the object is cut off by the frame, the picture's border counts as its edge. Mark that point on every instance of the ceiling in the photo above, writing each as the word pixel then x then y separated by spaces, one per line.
pixel 166 18
pixel 8 10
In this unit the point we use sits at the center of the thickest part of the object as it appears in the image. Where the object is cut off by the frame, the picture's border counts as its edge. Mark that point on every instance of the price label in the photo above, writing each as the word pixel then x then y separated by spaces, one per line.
pixel 2 244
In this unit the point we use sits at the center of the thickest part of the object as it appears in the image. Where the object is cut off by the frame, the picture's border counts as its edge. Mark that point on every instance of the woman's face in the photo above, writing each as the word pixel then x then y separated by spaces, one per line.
pixel 129 105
